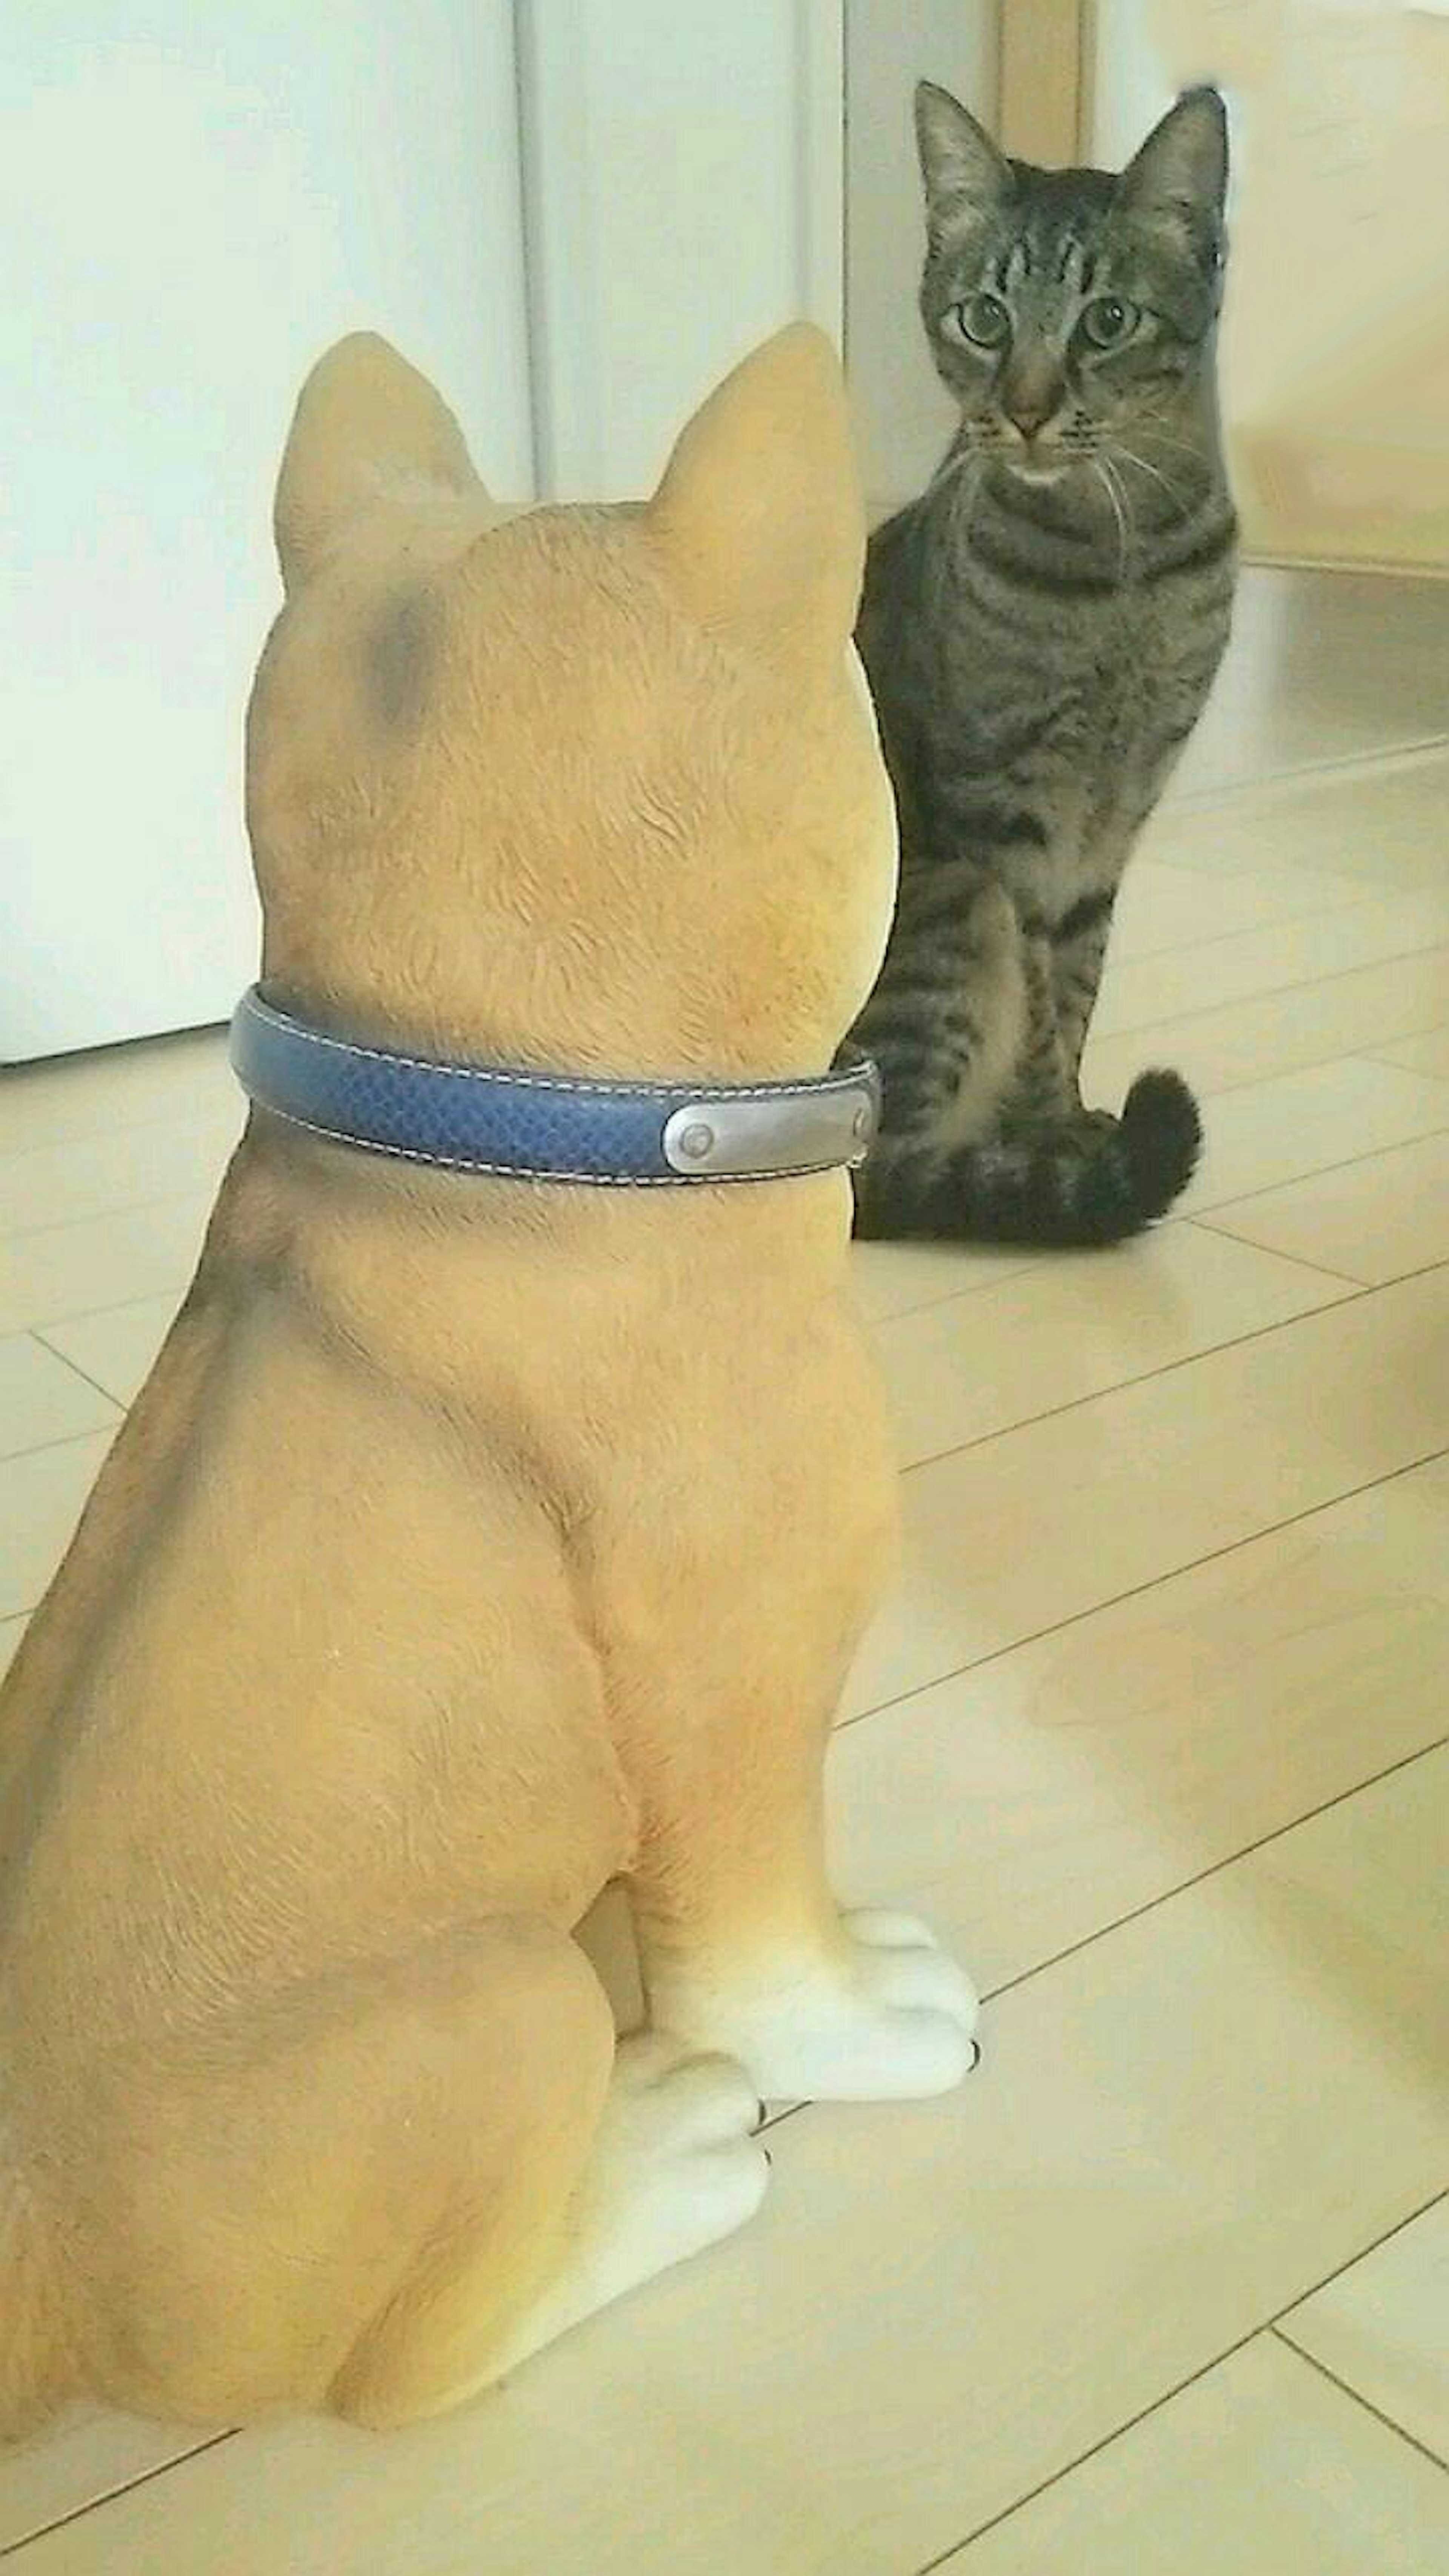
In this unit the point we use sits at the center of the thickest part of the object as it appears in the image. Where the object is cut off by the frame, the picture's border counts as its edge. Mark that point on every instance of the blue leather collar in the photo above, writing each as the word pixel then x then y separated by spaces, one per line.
pixel 547 1127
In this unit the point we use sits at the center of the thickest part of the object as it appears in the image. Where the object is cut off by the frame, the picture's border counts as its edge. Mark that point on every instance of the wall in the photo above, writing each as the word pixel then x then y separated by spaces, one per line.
pixel 196 196
pixel 1336 333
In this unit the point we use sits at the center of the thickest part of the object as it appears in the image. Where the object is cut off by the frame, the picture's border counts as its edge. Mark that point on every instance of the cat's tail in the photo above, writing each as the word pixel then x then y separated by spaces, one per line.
pixel 1094 1181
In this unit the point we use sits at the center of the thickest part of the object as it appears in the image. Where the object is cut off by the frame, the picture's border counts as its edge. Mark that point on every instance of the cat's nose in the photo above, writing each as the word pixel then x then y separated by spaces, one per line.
pixel 1030 413
pixel 1031 392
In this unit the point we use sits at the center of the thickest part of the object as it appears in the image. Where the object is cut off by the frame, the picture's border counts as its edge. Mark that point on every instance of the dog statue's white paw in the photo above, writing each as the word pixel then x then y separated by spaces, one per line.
pixel 675 2168
pixel 884 2016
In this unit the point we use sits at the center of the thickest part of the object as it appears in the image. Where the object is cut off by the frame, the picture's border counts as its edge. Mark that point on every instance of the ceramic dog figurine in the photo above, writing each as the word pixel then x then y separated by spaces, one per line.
pixel 478 1541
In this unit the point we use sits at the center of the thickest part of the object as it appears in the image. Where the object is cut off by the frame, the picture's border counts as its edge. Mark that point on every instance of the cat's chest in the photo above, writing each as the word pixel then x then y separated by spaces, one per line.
pixel 1082 714
pixel 1103 678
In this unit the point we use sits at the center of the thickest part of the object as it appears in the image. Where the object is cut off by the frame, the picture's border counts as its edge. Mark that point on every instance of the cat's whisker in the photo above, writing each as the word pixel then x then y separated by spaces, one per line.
pixel 950 466
pixel 972 499
pixel 1110 485
pixel 1161 436
pixel 961 508
pixel 1129 456
pixel 967 450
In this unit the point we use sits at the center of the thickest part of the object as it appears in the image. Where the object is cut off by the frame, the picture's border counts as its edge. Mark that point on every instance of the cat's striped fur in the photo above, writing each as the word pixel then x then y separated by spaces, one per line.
pixel 1041 629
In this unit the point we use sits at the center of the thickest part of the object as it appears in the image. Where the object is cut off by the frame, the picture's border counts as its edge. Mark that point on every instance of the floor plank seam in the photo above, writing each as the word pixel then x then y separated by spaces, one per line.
pixel 1386 2237
pixel 1244 1001
pixel 36 1334
pixel 1320 1171
pixel 1366 1055
pixel 1268 2325
pixel 1182 1887
pixel 1336 894
pixel 1347 2389
pixel 1261 993
pixel 101 1216
pixel 127 2486
pixel 1357 1290
pixel 121 1128
pixel 1069 2467
pixel 1405 756
pixel 1214 1869
pixel 72 1440
pixel 1300 1260
pixel 1208 1092
pixel 1134 1591
pixel 117 1125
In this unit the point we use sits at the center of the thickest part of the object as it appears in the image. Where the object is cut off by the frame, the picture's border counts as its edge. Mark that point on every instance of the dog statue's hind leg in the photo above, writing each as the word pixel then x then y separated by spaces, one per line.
pixel 383 2190
pixel 669 2168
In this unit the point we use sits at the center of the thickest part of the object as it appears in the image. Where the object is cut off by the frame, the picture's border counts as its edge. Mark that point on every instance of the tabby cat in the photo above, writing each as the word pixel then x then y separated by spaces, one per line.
pixel 1041 629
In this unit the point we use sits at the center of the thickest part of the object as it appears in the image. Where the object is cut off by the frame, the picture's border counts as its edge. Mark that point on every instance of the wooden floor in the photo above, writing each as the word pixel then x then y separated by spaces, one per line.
pixel 1154 1729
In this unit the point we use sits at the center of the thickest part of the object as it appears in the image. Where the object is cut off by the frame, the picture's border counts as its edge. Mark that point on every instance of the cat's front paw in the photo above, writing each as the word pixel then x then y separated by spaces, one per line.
pixel 883 2016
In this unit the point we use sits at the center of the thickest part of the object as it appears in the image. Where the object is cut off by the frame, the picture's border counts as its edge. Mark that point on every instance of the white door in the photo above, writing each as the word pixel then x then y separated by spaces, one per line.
pixel 684 189
pixel 196 196
pixel 698 175
pixel 904 417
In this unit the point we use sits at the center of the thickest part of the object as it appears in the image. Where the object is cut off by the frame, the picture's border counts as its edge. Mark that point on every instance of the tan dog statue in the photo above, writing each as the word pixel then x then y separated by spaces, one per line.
pixel 476 1542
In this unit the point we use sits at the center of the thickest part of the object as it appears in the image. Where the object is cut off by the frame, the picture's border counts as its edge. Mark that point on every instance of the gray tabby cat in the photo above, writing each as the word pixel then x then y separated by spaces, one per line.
pixel 1041 629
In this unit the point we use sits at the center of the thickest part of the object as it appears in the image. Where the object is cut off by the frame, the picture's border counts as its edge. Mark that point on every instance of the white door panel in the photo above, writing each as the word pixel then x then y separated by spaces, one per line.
pixel 903 412
pixel 683 182
pixel 198 196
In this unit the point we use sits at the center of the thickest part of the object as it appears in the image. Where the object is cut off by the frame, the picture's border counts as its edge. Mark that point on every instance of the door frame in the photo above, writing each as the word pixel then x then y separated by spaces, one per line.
pixel 1046 58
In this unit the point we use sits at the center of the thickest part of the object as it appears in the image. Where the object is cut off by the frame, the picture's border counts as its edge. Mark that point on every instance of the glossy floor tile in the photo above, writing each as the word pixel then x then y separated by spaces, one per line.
pixel 970 1365
pixel 1144 990
pixel 1428 1053
pixel 943 2305
pixel 1374 825
pixel 1382 2328
pixel 1161 907
pixel 1322 666
pixel 1369 1010
pixel 181 1078
pixel 41 1494
pixel 55 1271
pixel 41 1399
pixel 1266 1132
pixel 116 1347
pixel 1055 1517
pixel 86 1176
pixel 896 1278
pixel 1260 2468
pixel 1373 1219
pixel 1027 1803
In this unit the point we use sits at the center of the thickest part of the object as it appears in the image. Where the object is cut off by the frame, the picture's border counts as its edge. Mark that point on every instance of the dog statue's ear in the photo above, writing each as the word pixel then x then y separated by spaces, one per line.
pixel 759 516
pixel 365 420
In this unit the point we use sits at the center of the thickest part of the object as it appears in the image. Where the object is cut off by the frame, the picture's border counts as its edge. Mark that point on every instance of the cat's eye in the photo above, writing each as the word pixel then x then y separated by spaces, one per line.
pixel 982 319
pixel 1109 320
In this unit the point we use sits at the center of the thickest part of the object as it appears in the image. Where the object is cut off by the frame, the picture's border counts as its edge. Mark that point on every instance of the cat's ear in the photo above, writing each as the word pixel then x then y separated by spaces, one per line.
pixel 964 174
pixel 365 420
pixel 1180 176
pixel 759 517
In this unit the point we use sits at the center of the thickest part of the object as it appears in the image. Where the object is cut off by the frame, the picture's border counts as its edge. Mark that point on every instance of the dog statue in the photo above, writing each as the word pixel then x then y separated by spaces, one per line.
pixel 486 1533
